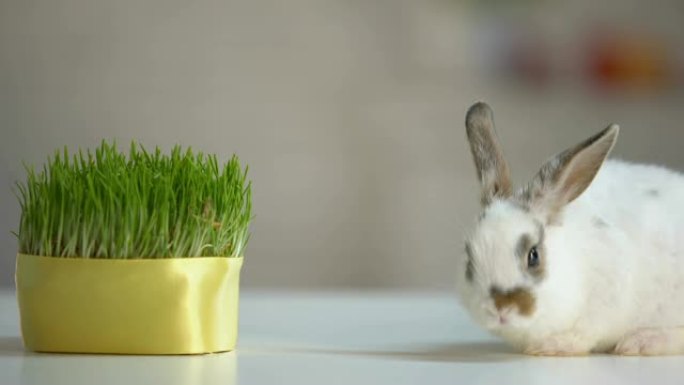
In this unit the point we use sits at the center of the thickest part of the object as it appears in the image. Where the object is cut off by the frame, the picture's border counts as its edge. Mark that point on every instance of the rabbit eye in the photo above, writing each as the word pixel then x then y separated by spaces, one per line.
pixel 533 258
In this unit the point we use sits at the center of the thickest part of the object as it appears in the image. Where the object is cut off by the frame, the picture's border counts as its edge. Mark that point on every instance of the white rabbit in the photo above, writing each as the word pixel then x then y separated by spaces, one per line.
pixel 587 257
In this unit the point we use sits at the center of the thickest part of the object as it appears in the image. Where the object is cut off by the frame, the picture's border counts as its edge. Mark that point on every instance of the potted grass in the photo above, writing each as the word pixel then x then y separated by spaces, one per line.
pixel 131 254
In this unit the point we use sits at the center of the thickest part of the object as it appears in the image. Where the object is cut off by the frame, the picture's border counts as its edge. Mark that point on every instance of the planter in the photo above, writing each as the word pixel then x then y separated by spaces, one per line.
pixel 128 306
pixel 159 239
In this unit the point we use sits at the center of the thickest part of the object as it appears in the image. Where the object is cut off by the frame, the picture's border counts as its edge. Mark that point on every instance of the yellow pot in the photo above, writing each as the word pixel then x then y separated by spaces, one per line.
pixel 131 306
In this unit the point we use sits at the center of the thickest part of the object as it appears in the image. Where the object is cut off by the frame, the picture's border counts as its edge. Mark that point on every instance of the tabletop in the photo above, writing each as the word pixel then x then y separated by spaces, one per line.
pixel 334 338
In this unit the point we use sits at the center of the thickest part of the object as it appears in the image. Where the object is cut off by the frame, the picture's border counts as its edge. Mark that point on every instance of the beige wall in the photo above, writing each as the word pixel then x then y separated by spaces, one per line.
pixel 349 113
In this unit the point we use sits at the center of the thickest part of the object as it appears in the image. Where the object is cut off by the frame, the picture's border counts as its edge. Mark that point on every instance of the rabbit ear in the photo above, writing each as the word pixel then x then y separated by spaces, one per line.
pixel 564 177
pixel 492 169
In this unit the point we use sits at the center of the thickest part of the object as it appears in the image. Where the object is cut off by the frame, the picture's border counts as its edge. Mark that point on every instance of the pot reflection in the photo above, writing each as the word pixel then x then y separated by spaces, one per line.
pixel 74 369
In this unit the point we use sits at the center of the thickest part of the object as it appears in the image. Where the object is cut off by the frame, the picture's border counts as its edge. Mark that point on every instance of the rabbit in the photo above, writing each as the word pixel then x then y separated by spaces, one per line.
pixel 588 257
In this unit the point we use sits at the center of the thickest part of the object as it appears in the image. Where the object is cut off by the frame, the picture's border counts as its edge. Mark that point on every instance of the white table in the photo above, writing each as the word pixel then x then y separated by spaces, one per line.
pixel 334 338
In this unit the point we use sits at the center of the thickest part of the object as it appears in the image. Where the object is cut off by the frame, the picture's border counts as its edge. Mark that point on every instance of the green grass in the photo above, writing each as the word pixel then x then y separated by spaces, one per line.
pixel 105 204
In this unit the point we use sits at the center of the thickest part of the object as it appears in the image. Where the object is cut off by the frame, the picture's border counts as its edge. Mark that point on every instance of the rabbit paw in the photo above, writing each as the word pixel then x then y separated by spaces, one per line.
pixel 647 342
pixel 563 345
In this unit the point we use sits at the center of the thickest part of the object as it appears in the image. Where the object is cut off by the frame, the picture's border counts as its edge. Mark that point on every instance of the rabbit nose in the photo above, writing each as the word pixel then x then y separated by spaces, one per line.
pixel 504 314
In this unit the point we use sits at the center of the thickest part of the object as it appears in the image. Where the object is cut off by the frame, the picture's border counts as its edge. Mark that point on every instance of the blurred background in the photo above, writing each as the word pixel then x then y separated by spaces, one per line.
pixel 349 112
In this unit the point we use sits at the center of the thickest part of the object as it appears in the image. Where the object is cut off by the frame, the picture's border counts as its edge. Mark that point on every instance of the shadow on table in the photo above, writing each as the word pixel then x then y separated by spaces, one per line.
pixel 11 347
pixel 454 352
